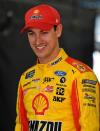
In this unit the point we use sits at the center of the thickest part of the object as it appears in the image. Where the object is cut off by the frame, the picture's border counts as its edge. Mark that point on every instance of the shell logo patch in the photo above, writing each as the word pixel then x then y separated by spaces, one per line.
pixel 40 104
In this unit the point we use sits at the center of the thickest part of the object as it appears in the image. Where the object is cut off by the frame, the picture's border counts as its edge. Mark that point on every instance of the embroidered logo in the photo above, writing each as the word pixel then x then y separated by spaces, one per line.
pixel 40 104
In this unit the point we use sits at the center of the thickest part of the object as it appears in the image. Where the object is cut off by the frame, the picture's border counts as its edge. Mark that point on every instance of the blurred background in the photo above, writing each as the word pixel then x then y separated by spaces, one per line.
pixel 80 39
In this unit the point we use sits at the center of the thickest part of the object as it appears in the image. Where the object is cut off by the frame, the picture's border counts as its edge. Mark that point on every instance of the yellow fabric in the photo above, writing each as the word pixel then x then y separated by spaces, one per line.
pixel 47 96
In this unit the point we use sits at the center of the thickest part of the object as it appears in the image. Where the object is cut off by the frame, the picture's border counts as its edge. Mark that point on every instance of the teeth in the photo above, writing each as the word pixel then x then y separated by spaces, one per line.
pixel 40 47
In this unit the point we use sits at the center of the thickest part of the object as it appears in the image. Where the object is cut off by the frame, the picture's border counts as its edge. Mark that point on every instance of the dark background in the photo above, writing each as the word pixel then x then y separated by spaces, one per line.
pixel 16 55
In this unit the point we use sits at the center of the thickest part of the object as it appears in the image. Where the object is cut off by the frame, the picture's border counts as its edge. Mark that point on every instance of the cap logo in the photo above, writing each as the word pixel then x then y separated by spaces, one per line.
pixel 36 11
pixel 36 15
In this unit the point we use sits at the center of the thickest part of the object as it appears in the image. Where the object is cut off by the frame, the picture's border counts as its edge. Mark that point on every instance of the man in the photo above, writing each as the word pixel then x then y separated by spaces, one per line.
pixel 59 93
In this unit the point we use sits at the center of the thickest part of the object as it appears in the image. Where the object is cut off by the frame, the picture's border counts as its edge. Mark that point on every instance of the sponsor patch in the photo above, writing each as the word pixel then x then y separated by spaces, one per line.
pixel 36 80
pixel 73 71
pixel 62 85
pixel 40 104
pixel 48 88
pixel 60 91
pixel 30 74
pixel 62 80
pixel 91 86
pixel 47 79
pixel 89 97
pixel 44 126
pixel 58 99
pixel 87 81
pixel 88 90
pixel 60 73
pixel 89 104
pixel 78 65
pixel 56 61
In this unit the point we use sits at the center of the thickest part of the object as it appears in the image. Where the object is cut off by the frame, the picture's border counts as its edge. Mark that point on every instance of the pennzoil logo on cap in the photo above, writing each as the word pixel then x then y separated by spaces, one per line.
pixel 37 17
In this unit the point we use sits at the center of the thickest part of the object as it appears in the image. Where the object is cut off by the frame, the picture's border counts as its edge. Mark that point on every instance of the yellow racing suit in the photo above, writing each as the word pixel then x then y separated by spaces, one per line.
pixel 62 95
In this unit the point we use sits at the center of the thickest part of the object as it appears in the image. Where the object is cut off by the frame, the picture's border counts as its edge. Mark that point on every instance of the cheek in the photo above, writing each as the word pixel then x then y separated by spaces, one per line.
pixel 51 38
pixel 31 40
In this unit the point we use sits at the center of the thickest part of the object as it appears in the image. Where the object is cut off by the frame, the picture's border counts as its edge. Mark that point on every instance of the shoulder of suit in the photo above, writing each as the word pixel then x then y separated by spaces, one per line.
pixel 80 66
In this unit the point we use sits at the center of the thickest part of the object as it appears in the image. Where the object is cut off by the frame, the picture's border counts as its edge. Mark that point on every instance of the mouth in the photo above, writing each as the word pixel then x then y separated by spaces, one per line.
pixel 40 48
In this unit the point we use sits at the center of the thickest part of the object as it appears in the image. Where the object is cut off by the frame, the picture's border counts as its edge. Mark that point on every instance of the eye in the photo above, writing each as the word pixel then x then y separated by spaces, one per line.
pixel 45 32
pixel 30 33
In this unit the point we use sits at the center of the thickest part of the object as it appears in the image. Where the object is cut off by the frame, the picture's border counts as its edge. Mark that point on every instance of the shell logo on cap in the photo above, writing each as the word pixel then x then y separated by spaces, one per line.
pixel 40 104
pixel 36 11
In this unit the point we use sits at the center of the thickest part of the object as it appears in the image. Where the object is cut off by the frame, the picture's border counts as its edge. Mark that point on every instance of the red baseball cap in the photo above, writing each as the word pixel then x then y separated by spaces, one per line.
pixel 42 16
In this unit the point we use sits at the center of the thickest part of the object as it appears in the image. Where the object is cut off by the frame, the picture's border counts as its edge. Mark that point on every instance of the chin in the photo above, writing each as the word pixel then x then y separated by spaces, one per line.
pixel 41 56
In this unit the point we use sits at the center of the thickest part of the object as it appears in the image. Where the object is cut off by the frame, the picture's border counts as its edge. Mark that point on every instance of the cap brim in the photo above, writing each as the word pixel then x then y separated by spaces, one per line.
pixel 42 26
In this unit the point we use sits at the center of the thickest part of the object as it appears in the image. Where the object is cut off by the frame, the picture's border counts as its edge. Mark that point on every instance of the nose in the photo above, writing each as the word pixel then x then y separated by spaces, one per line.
pixel 38 39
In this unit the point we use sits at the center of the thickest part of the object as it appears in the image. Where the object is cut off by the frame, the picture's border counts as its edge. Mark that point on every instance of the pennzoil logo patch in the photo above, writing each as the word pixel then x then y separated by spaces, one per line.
pixel 45 125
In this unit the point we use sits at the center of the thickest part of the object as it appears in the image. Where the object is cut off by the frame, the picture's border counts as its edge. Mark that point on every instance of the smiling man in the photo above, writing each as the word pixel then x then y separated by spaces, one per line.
pixel 59 93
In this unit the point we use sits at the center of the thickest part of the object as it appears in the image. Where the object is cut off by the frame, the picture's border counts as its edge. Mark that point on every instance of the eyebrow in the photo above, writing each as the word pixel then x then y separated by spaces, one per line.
pixel 29 30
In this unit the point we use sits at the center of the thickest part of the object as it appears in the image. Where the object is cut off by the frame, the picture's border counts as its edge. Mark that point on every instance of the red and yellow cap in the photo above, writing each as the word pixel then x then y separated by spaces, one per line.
pixel 42 16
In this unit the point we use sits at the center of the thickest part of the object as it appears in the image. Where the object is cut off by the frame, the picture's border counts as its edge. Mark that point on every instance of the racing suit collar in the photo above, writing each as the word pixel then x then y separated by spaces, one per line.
pixel 61 56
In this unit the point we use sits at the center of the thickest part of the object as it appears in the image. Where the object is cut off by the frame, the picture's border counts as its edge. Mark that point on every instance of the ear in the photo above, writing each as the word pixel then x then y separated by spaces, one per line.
pixel 59 30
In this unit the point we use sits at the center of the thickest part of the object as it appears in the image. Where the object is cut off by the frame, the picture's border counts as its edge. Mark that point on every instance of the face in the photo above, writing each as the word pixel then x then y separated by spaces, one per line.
pixel 45 43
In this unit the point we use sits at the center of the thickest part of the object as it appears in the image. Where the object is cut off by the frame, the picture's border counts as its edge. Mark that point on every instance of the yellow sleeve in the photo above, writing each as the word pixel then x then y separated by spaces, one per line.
pixel 88 91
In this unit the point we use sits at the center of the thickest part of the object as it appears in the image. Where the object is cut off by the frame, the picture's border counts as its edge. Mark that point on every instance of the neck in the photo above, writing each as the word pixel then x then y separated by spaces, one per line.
pixel 49 58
